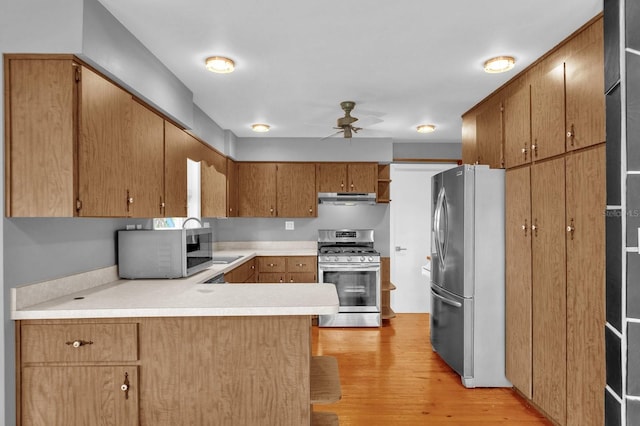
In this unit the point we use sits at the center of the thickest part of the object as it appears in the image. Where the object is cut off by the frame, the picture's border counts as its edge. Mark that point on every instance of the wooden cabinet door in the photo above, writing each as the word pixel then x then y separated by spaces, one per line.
pixel 296 190
pixel 549 287
pixel 585 286
pixel 585 92
pixel 213 188
pixel 517 128
pixel 271 277
pixel 489 135
pixel 469 145
pixel 40 147
pixel 232 188
pixel 257 189
pixel 331 177
pixel 79 396
pixel 272 264
pixel 145 177
pixel 518 279
pixel 103 146
pixel 362 177
pixel 301 277
pixel 547 114
pixel 175 171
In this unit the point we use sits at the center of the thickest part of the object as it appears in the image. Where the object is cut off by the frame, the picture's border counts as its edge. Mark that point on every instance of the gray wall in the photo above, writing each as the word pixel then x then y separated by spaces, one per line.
pixel 427 150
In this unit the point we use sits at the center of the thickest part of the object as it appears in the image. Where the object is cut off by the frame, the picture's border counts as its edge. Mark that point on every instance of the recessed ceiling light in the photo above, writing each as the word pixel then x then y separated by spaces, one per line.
pixel 260 127
pixel 219 64
pixel 499 64
pixel 426 128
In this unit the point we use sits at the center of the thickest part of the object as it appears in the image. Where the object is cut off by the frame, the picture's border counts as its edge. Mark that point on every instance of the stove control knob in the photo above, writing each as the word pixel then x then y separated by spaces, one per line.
pixel 348 258
pixel 362 258
pixel 370 258
pixel 335 259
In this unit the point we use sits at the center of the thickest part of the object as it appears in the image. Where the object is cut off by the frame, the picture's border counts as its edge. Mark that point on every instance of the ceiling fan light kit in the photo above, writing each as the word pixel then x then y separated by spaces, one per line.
pixel 220 64
pixel 499 64
pixel 260 127
pixel 426 128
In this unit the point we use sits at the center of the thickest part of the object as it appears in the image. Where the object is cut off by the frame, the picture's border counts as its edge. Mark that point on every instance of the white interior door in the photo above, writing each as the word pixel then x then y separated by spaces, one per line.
pixel 410 234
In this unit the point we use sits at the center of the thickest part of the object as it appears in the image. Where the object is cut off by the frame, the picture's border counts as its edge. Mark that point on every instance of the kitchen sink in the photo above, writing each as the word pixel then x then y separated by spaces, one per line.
pixel 223 260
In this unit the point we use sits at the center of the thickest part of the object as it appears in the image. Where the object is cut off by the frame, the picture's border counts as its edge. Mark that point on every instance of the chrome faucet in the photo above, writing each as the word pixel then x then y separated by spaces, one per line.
pixel 191 218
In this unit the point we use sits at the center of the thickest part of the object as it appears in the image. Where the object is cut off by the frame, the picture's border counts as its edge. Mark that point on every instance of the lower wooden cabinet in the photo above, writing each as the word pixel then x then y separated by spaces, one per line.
pixel 244 273
pixel 255 370
pixel 555 285
pixel 287 269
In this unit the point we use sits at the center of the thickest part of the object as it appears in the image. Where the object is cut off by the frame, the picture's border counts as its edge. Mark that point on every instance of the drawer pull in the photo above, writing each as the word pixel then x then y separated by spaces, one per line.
pixel 78 343
pixel 300 264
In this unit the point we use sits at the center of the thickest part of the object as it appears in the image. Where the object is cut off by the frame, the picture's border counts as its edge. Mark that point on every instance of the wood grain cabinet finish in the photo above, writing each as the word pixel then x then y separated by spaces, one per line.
pixel 188 371
pixel 296 190
pixel 244 273
pixel 213 188
pixel 40 153
pixel 518 338
pixel 517 128
pixel 287 269
pixel 347 177
pixel 547 114
pixel 489 134
pixel 232 188
pixel 257 189
pixel 175 169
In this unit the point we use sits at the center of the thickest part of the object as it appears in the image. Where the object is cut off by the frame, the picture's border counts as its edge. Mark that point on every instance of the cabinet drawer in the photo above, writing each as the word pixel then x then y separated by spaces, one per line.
pixel 243 273
pixel 302 264
pixel 301 277
pixel 272 264
pixel 79 342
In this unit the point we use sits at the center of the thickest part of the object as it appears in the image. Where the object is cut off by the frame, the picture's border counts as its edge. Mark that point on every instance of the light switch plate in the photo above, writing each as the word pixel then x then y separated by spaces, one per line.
pixel 288 225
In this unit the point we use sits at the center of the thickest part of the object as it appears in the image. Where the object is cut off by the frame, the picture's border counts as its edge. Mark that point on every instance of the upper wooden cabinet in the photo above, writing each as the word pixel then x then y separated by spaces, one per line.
pixel 489 134
pixel 346 177
pixel 517 128
pixel 296 190
pixel 40 126
pixel 257 189
pixel 547 114
pixel 213 190
pixel 232 188
pixel 175 169
pixel 585 99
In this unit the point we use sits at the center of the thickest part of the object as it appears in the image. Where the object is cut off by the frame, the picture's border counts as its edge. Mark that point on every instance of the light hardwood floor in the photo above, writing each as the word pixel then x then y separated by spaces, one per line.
pixel 390 376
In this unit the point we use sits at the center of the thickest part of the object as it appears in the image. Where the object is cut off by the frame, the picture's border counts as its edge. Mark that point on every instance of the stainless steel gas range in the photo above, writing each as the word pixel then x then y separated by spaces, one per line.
pixel 347 259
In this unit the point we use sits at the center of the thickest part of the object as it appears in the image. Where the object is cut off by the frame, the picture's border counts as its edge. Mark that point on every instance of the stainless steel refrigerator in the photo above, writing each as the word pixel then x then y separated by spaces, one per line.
pixel 467 273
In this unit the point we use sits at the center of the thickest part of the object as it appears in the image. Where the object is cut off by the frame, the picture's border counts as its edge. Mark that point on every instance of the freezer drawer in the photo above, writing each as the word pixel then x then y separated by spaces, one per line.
pixel 451 329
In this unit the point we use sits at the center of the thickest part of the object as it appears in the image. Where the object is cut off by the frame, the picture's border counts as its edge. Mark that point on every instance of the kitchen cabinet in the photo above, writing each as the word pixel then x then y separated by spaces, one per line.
pixel 276 190
pixel 100 381
pixel 347 177
pixel 547 114
pixel 549 311
pixel 120 152
pixel 517 128
pixel 518 338
pixel 213 188
pixel 78 374
pixel 232 188
pixel 469 147
pixel 386 286
pixel 489 134
pixel 78 144
pixel 287 269
pixel 257 189
pixel 585 98
pixel 585 236
pixel 40 153
pixel 175 169
pixel 244 273
pixel 384 183
pixel 295 190
pixel 555 285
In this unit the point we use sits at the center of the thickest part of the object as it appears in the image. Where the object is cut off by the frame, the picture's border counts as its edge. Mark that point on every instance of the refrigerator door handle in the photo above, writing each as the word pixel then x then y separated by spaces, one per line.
pixel 439 232
pixel 445 300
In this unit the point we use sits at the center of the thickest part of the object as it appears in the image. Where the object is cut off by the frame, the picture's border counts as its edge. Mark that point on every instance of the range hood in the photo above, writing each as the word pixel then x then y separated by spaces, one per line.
pixel 346 198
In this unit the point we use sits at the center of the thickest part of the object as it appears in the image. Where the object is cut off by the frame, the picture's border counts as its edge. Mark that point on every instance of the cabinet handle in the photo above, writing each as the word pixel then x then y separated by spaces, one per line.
pixel 352 186
pixel 271 210
pixel 290 280
pixel 342 184
pixel 525 151
pixel 571 228
pixel 571 134
pixel 310 210
pixel 281 280
pixel 525 227
pixel 300 265
pixel 125 386
pixel 78 343
pixel 534 149
pixel 534 228
pixel 271 264
pixel 253 267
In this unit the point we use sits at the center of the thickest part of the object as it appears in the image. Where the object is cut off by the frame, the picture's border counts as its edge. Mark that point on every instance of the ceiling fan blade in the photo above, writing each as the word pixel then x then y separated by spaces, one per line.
pixel 332 135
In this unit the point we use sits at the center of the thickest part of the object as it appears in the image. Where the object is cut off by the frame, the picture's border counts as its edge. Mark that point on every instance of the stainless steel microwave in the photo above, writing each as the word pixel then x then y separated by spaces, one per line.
pixel 166 253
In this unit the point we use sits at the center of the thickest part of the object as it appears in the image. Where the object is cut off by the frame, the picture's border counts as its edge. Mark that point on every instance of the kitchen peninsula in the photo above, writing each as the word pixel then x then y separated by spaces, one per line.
pixel 172 352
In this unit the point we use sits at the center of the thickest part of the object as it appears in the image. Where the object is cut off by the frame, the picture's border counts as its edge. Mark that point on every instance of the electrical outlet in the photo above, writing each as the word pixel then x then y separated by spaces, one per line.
pixel 288 225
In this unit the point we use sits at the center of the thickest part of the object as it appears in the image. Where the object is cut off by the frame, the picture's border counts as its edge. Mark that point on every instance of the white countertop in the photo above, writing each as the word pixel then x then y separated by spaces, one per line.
pixel 70 297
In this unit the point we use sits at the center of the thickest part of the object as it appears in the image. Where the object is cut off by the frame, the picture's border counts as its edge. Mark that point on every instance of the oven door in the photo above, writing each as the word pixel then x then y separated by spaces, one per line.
pixel 358 285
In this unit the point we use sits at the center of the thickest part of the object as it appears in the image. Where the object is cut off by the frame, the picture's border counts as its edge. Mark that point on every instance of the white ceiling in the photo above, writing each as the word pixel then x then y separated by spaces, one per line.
pixel 406 62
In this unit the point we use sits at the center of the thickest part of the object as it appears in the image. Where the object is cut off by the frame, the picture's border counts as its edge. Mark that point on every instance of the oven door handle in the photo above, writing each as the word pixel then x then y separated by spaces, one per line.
pixel 349 267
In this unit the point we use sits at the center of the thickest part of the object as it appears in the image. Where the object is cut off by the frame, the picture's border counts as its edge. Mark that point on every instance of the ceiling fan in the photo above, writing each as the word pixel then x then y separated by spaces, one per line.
pixel 345 124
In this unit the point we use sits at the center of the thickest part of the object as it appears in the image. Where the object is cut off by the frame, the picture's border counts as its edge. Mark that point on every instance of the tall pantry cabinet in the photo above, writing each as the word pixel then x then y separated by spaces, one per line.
pixel 554 152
